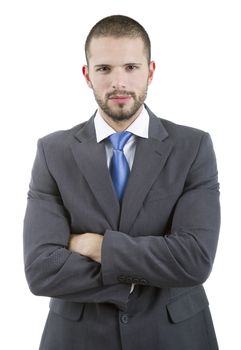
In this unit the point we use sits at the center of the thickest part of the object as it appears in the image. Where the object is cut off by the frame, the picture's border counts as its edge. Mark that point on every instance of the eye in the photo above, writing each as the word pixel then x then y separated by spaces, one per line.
pixel 131 67
pixel 103 69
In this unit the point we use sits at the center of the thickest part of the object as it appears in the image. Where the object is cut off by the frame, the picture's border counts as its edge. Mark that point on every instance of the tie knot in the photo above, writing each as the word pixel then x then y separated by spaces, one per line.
pixel 119 139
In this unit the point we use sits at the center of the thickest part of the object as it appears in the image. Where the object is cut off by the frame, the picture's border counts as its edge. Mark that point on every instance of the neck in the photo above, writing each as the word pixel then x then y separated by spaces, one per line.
pixel 120 125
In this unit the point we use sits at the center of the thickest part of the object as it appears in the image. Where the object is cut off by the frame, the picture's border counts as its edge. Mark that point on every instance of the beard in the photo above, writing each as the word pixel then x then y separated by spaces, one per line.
pixel 122 112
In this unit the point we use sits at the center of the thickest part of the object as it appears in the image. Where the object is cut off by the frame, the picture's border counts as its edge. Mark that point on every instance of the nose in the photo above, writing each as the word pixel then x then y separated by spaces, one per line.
pixel 118 79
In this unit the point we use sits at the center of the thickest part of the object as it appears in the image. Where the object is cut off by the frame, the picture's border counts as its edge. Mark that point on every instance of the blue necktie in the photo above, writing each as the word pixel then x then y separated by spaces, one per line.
pixel 119 168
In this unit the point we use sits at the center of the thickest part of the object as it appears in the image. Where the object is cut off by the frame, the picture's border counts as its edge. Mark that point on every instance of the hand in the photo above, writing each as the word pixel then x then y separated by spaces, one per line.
pixel 87 244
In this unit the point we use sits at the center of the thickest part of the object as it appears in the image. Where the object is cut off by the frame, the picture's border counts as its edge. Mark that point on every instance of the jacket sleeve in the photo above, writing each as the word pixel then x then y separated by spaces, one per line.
pixel 183 257
pixel 50 268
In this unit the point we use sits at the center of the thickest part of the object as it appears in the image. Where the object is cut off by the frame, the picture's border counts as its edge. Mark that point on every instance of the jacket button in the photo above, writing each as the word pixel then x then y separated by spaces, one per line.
pixel 143 282
pixel 124 319
pixel 128 279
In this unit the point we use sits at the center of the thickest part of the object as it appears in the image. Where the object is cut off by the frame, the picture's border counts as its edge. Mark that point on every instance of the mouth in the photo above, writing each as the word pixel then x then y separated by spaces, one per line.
pixel 120 98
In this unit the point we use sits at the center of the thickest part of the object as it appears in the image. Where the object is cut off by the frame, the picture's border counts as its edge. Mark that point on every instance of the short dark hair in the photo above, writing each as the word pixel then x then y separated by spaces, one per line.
pixel 118 26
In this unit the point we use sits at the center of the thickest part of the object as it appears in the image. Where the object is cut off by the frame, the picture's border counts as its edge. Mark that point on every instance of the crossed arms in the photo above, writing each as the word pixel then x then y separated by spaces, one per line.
pixel 87 267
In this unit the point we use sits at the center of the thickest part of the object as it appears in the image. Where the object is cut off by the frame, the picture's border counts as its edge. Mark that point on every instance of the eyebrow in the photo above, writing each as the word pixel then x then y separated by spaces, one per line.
pixel 109 65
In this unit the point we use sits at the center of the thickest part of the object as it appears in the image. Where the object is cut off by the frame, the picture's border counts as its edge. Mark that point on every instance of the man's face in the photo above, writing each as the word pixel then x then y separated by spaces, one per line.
pixel 119 74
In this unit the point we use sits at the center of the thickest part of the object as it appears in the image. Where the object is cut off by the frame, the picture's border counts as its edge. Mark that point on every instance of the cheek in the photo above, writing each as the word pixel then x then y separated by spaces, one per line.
pixel 141 85
pixel 100 85
pixel 140 81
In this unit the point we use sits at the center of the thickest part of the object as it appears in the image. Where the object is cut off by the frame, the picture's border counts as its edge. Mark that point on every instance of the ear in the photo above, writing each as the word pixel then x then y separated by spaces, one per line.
pixel 85 72
pixel 152 67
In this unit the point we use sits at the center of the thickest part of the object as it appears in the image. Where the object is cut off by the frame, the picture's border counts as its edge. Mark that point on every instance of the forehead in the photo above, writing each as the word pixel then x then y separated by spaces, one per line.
pixel 106 49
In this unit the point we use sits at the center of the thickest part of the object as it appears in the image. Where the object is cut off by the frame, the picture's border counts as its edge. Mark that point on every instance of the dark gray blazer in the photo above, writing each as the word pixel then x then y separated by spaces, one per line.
pixel 163 239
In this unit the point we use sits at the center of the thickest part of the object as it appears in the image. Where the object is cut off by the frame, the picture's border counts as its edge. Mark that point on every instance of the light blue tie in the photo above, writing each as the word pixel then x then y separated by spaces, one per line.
pixel 119 168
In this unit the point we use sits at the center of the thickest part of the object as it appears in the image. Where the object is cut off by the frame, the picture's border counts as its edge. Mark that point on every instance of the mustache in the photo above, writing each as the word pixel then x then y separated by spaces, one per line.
pixel 120 93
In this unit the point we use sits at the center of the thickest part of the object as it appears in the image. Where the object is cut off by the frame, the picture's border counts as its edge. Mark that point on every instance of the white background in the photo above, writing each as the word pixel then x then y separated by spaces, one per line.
pixel 196 46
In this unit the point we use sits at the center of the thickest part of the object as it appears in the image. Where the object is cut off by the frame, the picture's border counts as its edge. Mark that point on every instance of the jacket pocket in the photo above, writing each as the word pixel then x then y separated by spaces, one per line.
pixel 67 309
pixel 187 305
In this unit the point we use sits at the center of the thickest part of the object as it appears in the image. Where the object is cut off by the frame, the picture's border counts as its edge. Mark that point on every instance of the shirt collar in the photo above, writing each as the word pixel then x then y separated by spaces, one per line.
pixel 139 127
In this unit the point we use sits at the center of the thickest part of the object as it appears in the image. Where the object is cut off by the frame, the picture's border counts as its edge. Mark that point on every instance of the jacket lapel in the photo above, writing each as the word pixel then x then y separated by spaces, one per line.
pixel 91 159
pixel 150 158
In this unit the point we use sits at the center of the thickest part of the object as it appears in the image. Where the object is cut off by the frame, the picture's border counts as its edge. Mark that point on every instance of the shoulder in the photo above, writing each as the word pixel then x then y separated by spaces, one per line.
pixel 178 131
pixel 60 139
pixel 188 139
pixel 185 139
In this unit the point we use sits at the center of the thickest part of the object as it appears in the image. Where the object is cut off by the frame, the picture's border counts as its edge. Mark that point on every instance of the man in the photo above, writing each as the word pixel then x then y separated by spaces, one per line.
pixel 122 221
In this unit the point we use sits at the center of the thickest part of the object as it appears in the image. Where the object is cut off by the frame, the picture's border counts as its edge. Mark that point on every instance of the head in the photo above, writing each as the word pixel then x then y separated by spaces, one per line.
pixel 119 67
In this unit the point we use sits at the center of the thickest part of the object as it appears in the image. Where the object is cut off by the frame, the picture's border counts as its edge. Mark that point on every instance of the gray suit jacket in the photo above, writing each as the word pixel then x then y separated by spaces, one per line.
pixel 163 239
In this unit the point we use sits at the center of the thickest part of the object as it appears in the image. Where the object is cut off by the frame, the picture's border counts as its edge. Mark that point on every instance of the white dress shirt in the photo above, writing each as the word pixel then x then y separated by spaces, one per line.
pixel 139 128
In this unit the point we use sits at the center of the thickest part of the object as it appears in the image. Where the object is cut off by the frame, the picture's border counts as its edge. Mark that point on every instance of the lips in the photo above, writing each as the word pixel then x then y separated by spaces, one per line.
pixel 120 98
